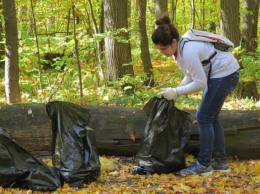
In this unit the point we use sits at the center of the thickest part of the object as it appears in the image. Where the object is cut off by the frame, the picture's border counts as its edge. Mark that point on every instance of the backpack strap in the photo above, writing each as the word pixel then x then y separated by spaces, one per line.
pixel 208 61
pixel 205 62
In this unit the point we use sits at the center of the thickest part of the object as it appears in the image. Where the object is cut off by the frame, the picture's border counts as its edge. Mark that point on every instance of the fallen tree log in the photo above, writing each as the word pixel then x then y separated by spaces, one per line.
pixel 119 130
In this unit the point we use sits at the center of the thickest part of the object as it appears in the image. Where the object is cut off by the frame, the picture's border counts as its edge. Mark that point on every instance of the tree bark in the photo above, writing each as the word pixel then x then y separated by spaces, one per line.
pixel 250 23
pixel 119 130
pixel 2 45
pixel 193 13
pixel 173 10
pixel 99 43
pixel 76 49
pixel 161 7
pixel 230 21
pixel 249 42
pixel 117 47
pixel 12 89
pixel 144 44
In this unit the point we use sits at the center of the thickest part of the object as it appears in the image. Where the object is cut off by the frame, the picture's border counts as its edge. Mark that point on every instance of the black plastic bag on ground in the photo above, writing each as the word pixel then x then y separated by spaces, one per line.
pixel 74 151
pixel 165 138
pixel 19 169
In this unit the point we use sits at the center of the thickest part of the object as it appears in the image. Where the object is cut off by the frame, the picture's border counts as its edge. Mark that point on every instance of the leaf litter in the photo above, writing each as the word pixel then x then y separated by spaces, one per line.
pixel 116 178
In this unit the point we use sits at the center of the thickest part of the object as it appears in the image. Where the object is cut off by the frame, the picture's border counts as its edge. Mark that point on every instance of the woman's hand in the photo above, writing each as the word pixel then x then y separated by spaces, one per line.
pixel 169 93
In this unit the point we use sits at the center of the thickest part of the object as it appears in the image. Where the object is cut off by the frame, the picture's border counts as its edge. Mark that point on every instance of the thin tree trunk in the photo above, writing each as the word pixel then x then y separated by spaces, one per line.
pixel 255 23
pixel 99 43
pixel 145 54
pixel 37 43
pixel 2 45
pixel 12 89
pixel 77 50
pixel 212 13
pixel 193 13
pixel 203 15
pixel 173 9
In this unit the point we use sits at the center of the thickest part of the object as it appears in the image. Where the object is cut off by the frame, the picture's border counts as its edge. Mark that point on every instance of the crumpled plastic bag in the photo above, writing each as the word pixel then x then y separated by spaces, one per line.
pixel 74 151
pixel 19 169
pixel 166 135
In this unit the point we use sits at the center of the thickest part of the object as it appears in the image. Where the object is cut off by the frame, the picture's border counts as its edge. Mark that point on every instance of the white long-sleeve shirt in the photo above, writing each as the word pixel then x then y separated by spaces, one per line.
pixel 189 59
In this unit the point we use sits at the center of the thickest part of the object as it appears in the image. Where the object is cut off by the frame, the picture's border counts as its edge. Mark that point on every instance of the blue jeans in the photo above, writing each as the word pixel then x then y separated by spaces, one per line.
pixel 212 138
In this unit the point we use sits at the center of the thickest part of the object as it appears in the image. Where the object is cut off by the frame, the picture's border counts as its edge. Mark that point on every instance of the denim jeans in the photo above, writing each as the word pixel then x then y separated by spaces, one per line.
pixel 212 138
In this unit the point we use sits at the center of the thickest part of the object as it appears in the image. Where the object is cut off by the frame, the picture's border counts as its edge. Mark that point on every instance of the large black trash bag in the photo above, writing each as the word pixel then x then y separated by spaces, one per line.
pixel 165 138
pixel 74 151
pixel 19 169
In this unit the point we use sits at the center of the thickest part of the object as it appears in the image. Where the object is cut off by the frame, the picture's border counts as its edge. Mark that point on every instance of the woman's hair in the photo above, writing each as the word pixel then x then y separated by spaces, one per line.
pixel 165 32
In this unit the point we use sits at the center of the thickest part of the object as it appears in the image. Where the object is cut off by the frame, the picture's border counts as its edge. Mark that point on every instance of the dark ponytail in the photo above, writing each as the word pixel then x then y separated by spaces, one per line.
pixel 165 32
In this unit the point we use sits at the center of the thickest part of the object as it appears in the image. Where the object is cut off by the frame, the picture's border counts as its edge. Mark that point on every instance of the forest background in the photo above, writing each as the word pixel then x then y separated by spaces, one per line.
pixel 100 52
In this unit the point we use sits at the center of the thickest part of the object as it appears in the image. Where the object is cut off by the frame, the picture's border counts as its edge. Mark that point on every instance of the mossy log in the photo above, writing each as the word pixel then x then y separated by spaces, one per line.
pixel 119 130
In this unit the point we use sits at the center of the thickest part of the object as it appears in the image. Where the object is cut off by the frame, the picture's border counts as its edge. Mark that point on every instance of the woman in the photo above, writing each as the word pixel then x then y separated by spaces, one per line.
pixel 223 79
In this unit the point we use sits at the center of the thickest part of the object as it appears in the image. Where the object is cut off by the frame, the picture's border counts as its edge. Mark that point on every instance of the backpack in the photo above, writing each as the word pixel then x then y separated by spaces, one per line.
pixel 220 42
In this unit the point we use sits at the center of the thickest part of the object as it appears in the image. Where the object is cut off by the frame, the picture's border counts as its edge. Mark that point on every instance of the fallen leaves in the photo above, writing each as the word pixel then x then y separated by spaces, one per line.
pixel 132 136
pixel 108 164
pixel 116 178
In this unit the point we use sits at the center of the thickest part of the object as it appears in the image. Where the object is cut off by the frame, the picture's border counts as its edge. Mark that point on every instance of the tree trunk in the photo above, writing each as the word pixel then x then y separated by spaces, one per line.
pixel 212 12
pixel 99 43
pixel 117 47
pixel 203 10
pixel 249 41
pixel 255 23
pixel 12 89
pixel 193 13
pixel 2 46
pixel 119 130
pixel 230 21
pixel 173 10
pixel 161 7
pixel 250 23
pixel 145 54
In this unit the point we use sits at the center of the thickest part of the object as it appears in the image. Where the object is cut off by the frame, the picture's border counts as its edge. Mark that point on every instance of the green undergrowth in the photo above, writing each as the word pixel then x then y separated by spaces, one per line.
pixel 63 85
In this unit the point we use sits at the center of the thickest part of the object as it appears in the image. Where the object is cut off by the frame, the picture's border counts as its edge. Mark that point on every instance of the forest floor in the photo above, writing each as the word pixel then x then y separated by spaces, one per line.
pixel 116 178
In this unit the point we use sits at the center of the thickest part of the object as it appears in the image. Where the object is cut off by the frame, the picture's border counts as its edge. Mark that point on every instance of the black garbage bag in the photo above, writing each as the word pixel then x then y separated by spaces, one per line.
pixel 74 151
pixel 19 169
pixel 165 138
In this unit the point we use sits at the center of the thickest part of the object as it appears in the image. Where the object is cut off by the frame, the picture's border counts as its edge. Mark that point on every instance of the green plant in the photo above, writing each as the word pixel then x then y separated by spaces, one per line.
pixel 250 71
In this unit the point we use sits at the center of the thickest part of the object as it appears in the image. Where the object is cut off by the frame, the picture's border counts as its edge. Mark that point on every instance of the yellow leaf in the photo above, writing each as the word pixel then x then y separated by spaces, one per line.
pixel 132 136
pixel 257 169
pixel 194 121
pixel 184 187
pixel 82 191
pixel 107 164
pixel 48 161
pixel 190 158
pixel 200 190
